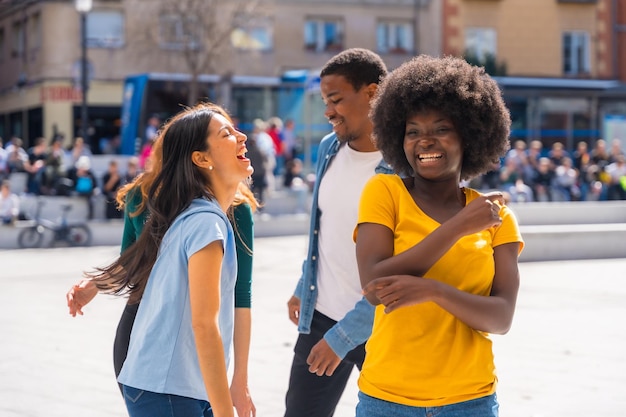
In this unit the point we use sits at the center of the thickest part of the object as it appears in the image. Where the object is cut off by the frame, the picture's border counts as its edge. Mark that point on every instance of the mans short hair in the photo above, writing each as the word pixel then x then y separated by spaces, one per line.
pixel 359 66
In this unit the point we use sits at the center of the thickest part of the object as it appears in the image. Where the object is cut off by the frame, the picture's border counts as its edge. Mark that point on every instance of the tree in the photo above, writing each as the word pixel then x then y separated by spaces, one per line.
pixel 195 32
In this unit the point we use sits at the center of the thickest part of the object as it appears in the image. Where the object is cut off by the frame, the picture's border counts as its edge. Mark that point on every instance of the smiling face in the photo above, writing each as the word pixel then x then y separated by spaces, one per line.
pixel 346 108
pixel 433 147
pixel 227 149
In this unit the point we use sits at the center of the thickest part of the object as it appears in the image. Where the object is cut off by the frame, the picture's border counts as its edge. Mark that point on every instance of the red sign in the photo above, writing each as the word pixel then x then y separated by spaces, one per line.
pixel 60 93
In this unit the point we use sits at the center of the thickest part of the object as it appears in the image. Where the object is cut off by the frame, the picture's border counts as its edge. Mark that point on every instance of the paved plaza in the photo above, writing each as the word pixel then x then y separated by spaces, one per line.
pixel 564 357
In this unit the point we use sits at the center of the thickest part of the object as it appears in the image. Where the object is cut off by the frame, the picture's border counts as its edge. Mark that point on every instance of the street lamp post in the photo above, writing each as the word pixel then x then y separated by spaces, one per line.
pixel 83 7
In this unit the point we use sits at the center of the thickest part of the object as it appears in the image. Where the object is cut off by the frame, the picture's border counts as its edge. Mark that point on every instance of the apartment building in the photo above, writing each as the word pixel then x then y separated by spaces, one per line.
pixel 41 57
pixel 535 38
pixel 560 62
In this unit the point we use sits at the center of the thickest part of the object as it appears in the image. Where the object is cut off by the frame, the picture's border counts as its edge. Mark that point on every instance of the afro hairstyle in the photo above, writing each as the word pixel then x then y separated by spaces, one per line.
pixel 464 93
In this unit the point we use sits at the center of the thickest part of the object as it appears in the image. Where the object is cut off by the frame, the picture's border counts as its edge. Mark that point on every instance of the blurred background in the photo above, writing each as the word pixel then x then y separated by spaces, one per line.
pixel 98 77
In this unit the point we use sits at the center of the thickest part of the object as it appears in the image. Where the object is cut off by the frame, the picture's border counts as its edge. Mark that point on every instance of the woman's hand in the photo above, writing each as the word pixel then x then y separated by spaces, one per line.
pixel 242 401
pixel 400 291
pixel 481 213
pixel 80 295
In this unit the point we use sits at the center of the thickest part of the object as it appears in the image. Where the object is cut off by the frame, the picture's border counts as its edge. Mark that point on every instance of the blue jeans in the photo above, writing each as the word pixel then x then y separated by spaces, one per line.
pixel 480 407
pixel 140 403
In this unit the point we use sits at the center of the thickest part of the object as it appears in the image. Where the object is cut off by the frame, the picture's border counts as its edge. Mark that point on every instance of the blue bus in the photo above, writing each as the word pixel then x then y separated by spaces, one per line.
pixel 293 96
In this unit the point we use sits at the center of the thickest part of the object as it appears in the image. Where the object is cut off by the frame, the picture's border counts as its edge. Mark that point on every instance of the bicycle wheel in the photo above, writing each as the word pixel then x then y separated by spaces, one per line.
pixel 78 235
pixel 30 238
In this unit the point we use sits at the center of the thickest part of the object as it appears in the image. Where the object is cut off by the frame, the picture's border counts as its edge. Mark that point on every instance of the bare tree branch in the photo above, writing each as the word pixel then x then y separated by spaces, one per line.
pixel 196 32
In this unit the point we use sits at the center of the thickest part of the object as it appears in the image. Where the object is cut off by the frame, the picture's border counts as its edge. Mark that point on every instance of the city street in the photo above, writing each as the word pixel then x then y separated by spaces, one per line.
pixel 565 355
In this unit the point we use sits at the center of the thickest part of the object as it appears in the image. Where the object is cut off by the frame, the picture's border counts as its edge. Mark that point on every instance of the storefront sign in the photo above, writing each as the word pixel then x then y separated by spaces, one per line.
pixel 60 93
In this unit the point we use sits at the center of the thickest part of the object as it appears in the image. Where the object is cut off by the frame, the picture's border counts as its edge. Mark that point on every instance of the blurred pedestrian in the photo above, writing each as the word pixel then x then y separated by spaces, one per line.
pixel 9 203
pixel 56 170
pixel 259 161
pixel 36 168
pixel 4 172
pixel 290 140
pixel 132 170
pixel 84 182
pixel 111 183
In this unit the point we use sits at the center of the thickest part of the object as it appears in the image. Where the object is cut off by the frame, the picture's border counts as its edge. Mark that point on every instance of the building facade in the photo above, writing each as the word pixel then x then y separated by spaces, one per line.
pixel 40 50
pixel 560 63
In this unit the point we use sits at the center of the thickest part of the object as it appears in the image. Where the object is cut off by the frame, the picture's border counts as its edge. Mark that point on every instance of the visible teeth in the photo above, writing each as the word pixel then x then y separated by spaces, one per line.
pixel 429 157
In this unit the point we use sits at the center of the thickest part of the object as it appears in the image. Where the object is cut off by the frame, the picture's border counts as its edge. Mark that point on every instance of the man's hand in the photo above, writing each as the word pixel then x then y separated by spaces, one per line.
pixel 322 360
pixel 293 305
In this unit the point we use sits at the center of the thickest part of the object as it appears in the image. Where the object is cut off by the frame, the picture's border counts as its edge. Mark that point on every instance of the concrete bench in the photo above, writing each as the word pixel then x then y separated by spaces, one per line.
pixel 578 212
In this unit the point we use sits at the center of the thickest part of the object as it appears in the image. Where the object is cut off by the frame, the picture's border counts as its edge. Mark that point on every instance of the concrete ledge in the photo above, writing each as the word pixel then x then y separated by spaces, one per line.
pixel 575 212
pixel 283 225
pixel 573 241
pixel 552 231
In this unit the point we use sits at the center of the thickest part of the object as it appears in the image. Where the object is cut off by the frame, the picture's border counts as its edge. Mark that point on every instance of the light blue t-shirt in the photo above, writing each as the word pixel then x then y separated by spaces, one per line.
pixel 162 353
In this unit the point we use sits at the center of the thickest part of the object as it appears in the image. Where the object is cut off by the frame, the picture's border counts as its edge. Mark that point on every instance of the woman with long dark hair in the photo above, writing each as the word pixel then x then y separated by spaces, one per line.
pixel 182 268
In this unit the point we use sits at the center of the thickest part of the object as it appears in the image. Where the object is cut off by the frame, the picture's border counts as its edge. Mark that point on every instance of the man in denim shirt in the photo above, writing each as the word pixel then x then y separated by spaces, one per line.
pixel 333 318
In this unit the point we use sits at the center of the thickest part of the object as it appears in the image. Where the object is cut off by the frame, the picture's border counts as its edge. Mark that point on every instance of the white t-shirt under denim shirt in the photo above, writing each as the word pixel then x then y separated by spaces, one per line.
pixel 162 354
pixel 339 195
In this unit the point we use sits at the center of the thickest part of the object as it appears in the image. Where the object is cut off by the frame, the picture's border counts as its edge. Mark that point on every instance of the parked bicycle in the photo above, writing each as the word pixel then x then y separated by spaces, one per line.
pixel 74 234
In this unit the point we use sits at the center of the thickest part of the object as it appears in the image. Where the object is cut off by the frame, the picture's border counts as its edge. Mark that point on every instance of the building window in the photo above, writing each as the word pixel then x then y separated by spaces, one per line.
pixel 105 29
pixel 394 37
pixel 2 44
pixel 19 39
pixel 252 35
pixel 323 34
pixel 180 32
pixel 480 43
pixel 34 38
pixel 576 54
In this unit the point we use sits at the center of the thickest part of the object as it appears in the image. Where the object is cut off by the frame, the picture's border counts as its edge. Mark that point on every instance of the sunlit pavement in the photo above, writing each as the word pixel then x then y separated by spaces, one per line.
pixel 565 355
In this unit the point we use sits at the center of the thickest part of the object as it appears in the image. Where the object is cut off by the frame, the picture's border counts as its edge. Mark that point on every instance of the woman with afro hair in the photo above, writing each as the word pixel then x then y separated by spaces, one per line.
pixel 439 261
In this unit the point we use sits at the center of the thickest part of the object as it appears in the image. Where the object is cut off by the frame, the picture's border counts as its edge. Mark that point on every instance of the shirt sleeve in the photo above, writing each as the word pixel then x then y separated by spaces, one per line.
pixel 202 228
pixel 130 233
pixel 243 226
pixel 377 203
pixel 508 231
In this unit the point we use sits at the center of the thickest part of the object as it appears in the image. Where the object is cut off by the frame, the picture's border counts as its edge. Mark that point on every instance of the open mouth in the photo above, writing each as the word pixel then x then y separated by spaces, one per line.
pixel 242 154
pixel 335 122
pixel 429 157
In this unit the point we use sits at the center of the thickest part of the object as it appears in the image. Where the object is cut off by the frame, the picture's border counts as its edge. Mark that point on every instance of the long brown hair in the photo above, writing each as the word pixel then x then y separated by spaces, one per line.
pixel 144 181
pixel 174 171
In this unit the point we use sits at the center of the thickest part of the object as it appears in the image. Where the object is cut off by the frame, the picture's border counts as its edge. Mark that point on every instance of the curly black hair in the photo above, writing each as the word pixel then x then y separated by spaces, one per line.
pixel 359 66
pixel 464 93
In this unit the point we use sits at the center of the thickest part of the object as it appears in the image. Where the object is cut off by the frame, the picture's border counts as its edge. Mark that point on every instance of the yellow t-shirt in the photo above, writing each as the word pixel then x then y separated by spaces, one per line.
pixel 422 355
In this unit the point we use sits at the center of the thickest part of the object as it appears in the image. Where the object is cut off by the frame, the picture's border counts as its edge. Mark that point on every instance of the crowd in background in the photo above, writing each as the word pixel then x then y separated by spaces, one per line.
pixel 50 169
pixel 274 150
pixel 533 173
pixel 529 172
